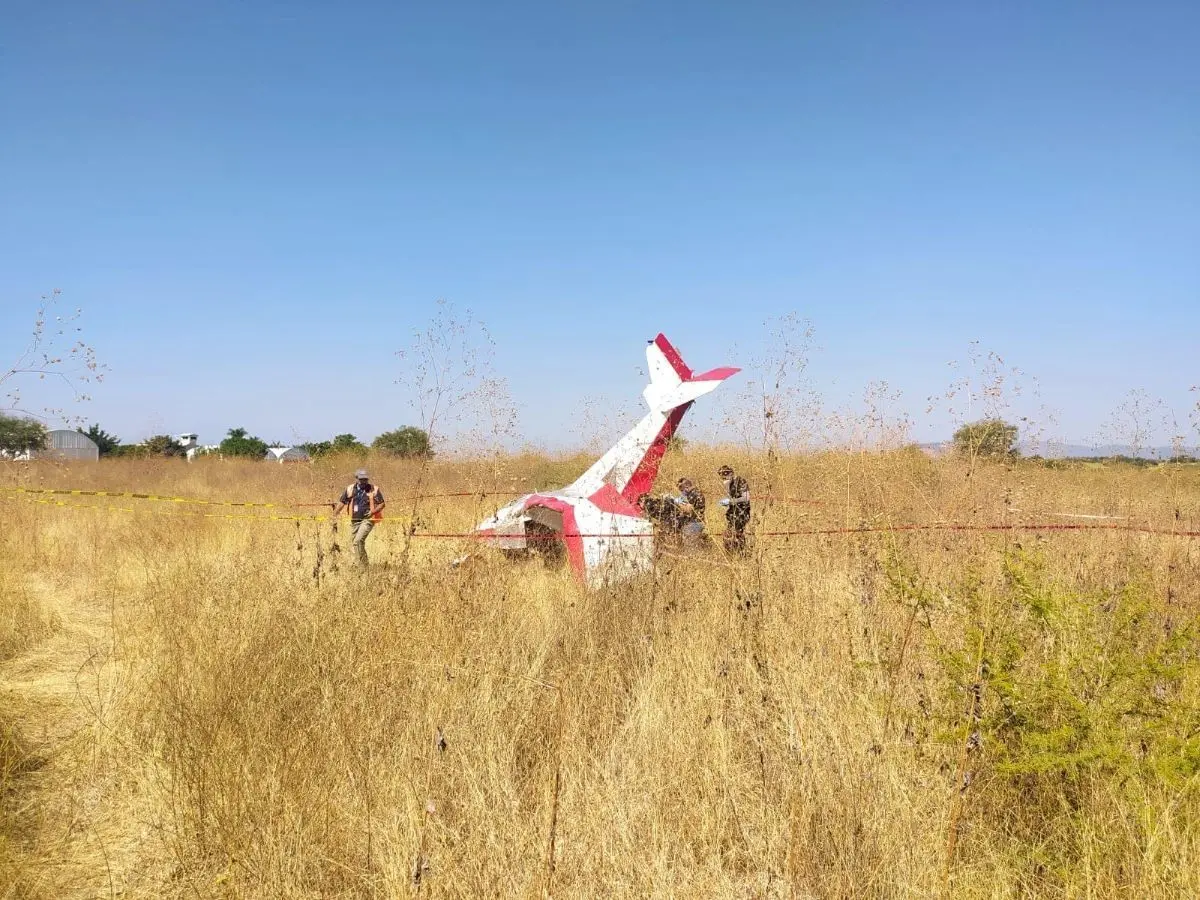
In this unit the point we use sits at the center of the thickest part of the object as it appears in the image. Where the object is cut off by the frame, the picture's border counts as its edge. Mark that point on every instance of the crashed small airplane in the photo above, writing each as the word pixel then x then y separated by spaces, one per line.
pixel 607 536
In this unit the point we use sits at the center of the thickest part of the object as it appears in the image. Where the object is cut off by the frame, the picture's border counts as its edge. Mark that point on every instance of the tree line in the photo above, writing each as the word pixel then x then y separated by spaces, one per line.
pixel 20 435
pixel 990 438
pixel 993 439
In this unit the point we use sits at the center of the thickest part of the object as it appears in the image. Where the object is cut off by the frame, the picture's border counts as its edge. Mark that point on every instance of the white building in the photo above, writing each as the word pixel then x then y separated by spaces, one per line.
pixel 64 444
pixel 187 440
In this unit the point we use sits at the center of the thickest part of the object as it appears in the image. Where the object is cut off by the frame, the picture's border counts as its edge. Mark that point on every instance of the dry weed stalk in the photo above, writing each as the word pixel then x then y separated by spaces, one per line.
pixel 449 369
pixel 969 744
pixel 56 355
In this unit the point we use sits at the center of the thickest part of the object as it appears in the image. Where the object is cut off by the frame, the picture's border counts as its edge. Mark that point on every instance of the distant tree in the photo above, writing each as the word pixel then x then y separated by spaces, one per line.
pixel 18 434
pixel 406 442
pixel 161 445
pixel 239 443
pixel 988 438
pixel 317 449
pixel 108 443
pixel 347 443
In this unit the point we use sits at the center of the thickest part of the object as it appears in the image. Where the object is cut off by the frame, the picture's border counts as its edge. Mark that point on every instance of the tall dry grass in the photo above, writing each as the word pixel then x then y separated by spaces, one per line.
pixel 890 714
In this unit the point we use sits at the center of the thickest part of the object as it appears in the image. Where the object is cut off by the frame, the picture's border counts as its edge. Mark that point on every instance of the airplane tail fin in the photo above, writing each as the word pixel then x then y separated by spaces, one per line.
pixel 631 465
pixel 672 383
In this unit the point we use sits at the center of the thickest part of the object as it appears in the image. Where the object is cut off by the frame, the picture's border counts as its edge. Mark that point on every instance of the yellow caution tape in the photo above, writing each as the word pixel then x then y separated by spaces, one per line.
pixel 31 495
pixel 197 515
pixel 160 498
pixel 129 509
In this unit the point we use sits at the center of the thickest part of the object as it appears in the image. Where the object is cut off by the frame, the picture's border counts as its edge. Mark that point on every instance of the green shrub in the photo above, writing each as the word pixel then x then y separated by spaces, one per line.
pixel 989 438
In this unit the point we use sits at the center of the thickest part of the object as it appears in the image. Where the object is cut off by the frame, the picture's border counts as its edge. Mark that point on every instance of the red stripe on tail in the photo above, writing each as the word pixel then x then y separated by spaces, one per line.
pixel 673 357
pixel 647 470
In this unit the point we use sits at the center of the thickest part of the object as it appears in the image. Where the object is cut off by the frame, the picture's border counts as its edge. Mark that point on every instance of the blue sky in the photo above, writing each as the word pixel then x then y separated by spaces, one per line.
pixel 256 203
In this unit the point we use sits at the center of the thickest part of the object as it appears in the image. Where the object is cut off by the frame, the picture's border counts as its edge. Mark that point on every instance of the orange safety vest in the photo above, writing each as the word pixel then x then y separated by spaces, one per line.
pixel 376 515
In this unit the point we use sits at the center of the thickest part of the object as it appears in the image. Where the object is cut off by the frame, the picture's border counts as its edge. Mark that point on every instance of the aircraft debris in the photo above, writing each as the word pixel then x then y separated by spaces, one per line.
pixel 607 535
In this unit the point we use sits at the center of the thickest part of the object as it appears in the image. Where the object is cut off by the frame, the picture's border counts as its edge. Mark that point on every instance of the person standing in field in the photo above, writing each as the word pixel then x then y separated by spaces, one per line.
pixel 737 509
pixel 366 504
pixel 689 506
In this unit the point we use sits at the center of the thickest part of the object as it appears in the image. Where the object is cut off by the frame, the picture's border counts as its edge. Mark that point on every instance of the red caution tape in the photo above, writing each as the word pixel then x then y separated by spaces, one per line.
pixel 865 529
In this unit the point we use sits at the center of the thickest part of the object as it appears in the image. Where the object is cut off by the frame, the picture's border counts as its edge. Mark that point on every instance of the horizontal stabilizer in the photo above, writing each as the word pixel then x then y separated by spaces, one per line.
pixel 672 383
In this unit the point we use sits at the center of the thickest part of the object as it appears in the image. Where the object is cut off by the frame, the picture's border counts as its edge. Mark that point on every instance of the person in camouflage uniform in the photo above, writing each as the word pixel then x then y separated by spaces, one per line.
pixel 689 506
pixel 737 509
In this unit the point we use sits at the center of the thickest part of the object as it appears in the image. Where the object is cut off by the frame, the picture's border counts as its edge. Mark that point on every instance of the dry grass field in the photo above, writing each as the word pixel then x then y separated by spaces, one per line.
pixel 196 706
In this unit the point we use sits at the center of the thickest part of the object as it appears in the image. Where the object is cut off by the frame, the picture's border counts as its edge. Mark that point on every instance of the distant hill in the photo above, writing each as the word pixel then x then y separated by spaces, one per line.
pixel 1057 450
pixel 1062 451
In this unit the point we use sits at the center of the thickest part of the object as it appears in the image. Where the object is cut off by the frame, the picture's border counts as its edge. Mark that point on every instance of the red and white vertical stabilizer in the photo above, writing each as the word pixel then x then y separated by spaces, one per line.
pixel 631 466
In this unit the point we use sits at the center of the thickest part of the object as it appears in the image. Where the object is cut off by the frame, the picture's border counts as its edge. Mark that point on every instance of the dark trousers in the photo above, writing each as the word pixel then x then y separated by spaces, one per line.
pixel 735 529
